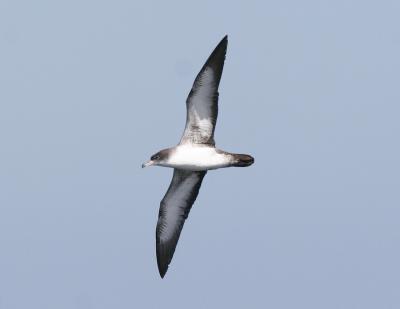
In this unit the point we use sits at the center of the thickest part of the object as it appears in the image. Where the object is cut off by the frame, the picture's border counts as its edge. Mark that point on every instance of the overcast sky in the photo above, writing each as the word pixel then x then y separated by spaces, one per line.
pixel 90 89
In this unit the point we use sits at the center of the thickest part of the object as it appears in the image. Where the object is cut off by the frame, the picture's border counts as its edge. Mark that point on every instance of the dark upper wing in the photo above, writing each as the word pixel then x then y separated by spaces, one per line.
pixel 202 102
pixel 174 209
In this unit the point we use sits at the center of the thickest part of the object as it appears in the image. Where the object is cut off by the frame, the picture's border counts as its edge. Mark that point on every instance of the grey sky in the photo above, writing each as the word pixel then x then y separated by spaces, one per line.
pixel 90 89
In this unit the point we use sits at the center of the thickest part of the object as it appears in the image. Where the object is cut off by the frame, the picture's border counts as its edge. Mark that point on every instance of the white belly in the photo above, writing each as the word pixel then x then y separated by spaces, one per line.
pixel 196 158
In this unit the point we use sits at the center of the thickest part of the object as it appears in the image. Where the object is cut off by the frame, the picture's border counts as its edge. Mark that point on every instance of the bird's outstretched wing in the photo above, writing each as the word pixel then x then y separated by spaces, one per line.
pixel 202 102
pixel 174 209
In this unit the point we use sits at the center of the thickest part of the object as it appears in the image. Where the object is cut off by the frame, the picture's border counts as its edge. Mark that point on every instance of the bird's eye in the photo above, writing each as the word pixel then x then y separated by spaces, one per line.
pixel 155 157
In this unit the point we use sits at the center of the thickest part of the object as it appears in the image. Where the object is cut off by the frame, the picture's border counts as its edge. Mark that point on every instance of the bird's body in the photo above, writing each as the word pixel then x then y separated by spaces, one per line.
pixel 197 157
pixel 192 157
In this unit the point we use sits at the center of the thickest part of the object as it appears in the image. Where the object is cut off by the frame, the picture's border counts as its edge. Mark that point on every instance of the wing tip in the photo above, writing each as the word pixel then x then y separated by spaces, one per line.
pixel 223 42
pixel 162 267
pixel 220 49
pixel 162 272
pixel 162 260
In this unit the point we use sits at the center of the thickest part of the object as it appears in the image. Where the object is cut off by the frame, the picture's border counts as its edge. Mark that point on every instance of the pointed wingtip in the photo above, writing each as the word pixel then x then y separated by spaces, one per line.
pixel 222 45
pixel 224 40
pixel 162 269
pixel 161 264
pixel 219 50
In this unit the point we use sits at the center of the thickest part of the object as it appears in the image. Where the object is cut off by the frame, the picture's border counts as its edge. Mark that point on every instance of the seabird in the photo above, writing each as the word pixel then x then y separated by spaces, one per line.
pixel 192 157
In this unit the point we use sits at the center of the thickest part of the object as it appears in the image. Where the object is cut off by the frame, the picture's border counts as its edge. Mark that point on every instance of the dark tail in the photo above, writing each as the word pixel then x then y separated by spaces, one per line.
pixel 242 160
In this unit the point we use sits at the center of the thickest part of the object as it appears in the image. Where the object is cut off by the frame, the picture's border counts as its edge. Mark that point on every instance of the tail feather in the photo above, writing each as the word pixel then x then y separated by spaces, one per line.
pixel 242 160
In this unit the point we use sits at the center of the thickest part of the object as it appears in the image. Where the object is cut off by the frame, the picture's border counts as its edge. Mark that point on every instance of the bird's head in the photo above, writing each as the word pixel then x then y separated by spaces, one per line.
pixel 157 158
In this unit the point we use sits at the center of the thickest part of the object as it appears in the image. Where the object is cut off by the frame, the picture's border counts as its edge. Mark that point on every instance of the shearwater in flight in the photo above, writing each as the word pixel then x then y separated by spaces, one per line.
pixel 192 157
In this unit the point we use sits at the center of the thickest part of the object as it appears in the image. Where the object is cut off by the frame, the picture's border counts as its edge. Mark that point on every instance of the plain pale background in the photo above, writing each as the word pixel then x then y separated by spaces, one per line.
pixel 90 89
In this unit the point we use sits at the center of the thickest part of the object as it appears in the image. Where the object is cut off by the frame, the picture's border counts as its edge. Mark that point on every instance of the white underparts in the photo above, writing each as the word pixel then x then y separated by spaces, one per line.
pixel 197 158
